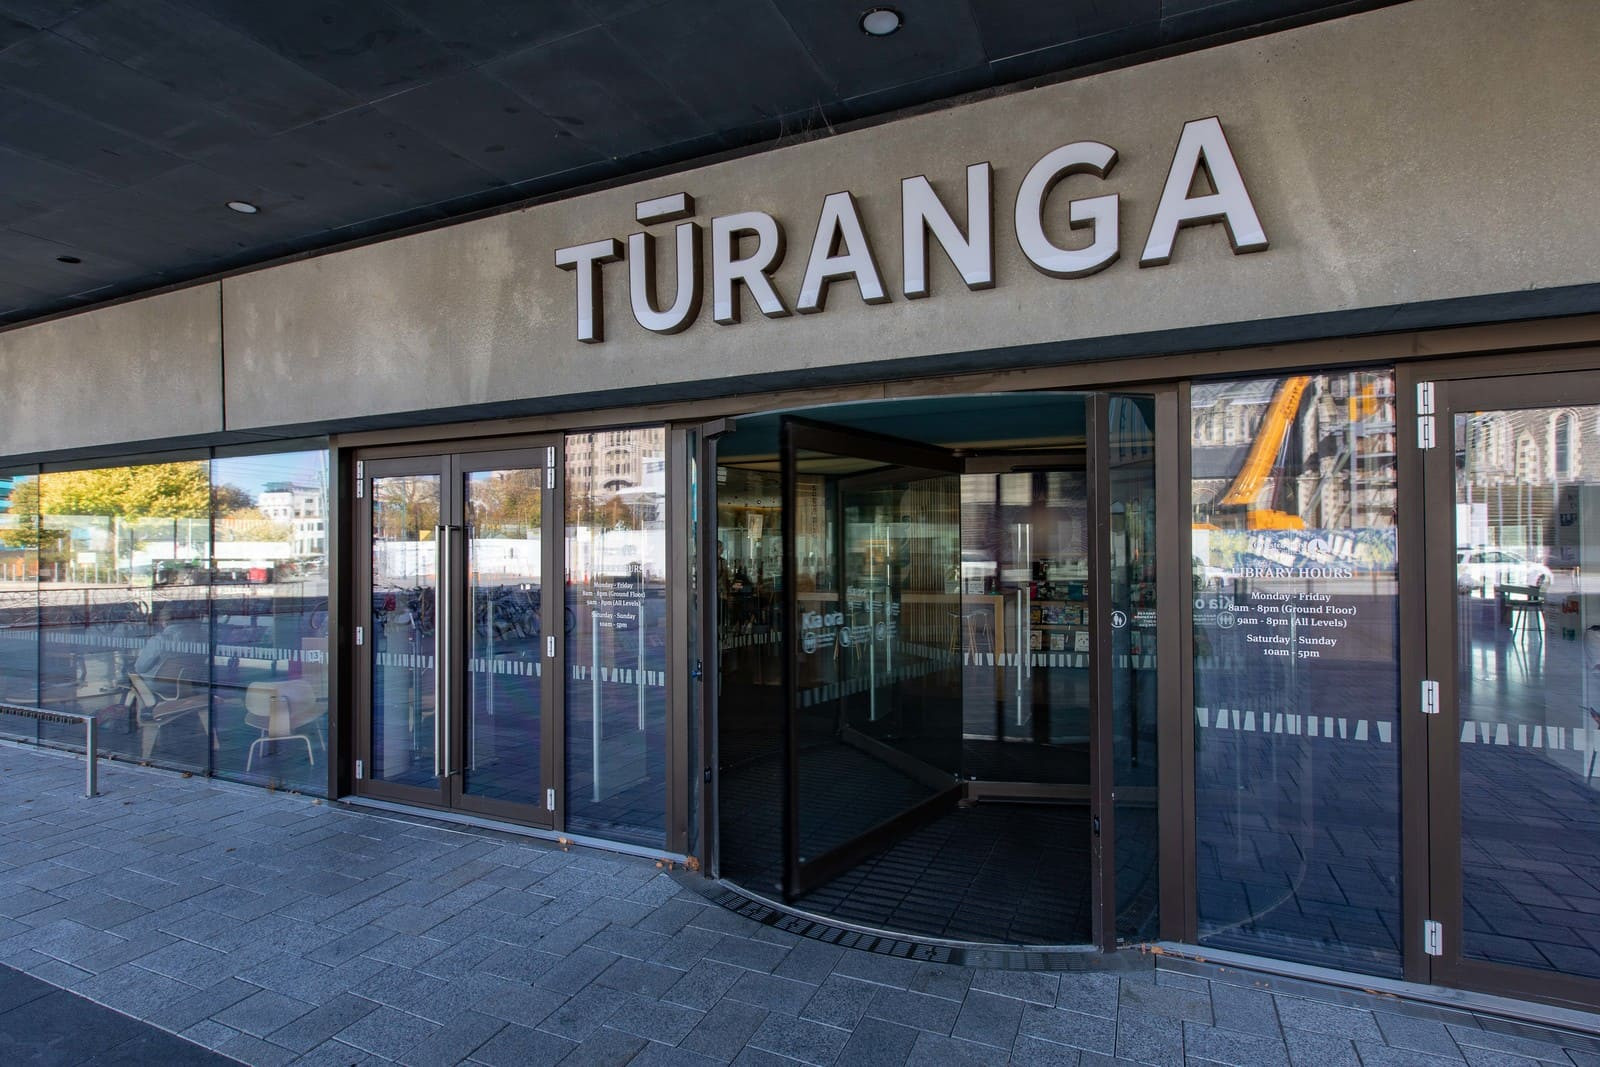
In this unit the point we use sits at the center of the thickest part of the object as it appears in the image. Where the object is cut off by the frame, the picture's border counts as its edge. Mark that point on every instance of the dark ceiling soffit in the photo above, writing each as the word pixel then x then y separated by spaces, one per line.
pixel 1485 310
pixel 1262 29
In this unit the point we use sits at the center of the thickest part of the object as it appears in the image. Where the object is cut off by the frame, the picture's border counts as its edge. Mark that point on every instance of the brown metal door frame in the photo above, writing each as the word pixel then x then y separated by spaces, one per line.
pixel 435 465
pixel 534 456
pixel 450 462
pixel 1453 395
pixel 1102 805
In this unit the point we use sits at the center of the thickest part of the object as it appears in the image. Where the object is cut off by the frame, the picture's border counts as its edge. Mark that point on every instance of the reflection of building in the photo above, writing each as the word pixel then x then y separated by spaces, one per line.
pixel 301 507
pixel 615 459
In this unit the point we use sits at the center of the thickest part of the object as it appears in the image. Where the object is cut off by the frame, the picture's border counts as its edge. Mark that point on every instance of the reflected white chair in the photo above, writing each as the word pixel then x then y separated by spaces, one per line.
pixel 280 710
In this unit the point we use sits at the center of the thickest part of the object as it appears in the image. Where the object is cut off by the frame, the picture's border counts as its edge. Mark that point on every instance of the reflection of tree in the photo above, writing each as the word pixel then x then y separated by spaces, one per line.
pixel 23 518
pixel 161 490
pixel 506 503
pixel 406 508
pixel 226 499
pixel 604 511
pixel 151 491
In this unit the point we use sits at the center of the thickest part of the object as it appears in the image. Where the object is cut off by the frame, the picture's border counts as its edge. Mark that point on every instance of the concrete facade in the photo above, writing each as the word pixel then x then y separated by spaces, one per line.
pixel 147 369
pixel 1412 154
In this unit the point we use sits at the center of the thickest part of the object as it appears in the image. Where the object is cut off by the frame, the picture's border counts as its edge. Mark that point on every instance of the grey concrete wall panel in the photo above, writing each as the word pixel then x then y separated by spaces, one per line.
pixel 138 371
pixel 1430 151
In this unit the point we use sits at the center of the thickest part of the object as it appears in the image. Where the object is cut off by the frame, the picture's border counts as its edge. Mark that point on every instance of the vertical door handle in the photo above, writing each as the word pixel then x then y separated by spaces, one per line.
pixel 441 631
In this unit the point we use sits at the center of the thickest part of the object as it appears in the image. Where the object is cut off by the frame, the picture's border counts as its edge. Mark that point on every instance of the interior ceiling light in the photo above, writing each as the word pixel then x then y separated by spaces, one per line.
pixel 880 21
pixel 243 207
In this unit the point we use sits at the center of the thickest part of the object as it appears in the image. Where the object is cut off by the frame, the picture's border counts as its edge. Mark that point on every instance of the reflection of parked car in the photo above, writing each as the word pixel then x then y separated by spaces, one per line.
pixel 1207 576
pixel 1478 568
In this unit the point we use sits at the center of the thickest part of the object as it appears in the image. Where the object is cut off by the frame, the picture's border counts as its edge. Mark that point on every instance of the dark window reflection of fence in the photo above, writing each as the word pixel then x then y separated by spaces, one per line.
pixel 1296 673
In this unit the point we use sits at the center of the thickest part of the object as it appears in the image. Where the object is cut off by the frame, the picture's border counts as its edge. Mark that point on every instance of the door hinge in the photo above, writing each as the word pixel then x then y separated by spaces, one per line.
pixel 1432 938
pixel 549 800
pixel 361 636
pixel 1430 697
pixel 361 479
pixel 550 646
pixel 1424 398
pixel 361 770
pixel 549 477
pixel 1425 431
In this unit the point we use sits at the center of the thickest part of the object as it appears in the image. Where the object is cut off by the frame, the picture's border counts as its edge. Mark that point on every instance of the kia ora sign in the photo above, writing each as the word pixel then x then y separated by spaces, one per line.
pixel 746 248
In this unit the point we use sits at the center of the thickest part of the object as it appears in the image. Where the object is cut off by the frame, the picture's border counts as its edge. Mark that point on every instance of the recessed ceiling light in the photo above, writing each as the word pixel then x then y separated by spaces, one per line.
pixel 68 259
pixel 243 207
pixel 880 21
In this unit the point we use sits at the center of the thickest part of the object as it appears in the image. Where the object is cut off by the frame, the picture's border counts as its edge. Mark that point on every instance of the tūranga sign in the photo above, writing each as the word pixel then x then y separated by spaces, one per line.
pixel 746 248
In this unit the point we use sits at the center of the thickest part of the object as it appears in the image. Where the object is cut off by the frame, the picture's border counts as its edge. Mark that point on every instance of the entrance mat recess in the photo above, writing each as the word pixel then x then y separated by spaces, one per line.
pixel 998 957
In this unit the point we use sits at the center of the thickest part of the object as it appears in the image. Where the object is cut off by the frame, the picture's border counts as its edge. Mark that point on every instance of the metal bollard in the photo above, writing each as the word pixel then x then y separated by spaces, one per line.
pixel 91 739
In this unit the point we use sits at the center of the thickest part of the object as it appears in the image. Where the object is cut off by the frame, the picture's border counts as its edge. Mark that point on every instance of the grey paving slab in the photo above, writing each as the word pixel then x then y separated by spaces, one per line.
pixel 724 1031
pixel 1093 1033
pixel 1146 1038
pixel 988 1019
pixel 517 1046
pixel 937 1050
pixel 274 930
pixel 771 992
pixel 1307 1049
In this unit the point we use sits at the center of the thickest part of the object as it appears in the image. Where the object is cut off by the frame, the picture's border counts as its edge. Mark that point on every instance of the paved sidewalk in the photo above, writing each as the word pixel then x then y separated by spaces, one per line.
pixel 42 1024
pixel 274 929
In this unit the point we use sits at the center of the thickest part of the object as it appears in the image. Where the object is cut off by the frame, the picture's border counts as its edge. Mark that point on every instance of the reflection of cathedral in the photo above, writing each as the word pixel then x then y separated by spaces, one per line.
pixel 1511 466
pixel 1304 452
pixel 1540 446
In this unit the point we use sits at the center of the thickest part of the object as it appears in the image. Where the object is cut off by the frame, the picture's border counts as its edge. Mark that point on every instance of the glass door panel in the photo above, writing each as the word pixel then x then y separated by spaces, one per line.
pixel 1024 622
pixel 1527 577
pixel 1513 542
pixel 874 683
pixel 503 747
pixel 405 583
pixel 1132 720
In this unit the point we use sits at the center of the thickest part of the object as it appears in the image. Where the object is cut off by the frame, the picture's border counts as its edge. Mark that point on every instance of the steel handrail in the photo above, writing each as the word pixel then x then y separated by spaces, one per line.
pixel 91 735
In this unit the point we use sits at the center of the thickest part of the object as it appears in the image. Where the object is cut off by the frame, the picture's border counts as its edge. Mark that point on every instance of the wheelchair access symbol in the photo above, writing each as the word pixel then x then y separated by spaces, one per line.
pixel 1119 619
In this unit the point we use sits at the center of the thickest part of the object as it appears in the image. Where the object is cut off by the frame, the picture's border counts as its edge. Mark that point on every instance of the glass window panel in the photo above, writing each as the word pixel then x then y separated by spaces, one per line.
pixel 19 600
pixel 616 670
pixel 124 568
pixel 1296 670
pixel 269 597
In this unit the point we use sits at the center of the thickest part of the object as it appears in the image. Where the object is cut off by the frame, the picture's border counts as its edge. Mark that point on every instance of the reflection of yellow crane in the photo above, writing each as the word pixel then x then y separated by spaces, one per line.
pixel 1263 453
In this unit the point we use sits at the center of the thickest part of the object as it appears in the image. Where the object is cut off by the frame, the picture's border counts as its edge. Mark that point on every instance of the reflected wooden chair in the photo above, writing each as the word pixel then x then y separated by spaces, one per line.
pixel 281 711
pixel 155 711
